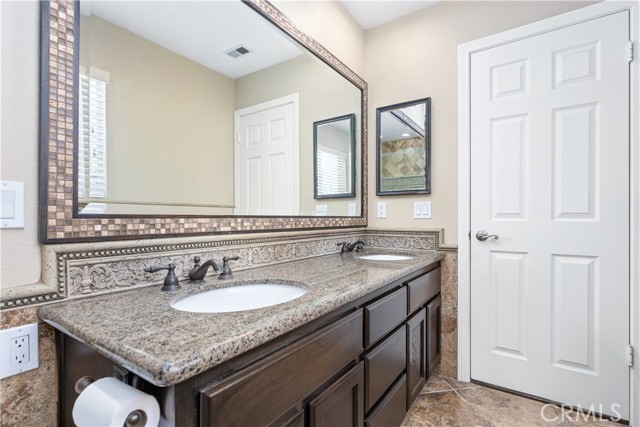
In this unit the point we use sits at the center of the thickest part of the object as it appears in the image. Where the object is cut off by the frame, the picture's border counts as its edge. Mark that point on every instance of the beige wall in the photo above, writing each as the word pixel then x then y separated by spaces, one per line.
pixel 416 57
pixel 332 26
pixel 169 121
pixel 324 94
pixel 19 249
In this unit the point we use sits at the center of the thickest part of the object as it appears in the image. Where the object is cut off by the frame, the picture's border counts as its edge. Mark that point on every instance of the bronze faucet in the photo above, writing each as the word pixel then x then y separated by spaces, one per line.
pixel 198 271
pixel 349 247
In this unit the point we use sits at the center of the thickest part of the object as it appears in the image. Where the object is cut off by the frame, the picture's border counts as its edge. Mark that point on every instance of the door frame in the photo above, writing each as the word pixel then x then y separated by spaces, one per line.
pixel 294 99
pixel 464 177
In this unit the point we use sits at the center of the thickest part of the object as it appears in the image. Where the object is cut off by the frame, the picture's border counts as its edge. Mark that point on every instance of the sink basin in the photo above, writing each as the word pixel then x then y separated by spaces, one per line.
pixel 385 257
pixel 239 298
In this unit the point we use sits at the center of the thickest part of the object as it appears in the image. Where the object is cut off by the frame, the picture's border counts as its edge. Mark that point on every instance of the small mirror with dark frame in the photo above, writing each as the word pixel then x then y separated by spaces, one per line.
pixel 334 152
pixel 403 145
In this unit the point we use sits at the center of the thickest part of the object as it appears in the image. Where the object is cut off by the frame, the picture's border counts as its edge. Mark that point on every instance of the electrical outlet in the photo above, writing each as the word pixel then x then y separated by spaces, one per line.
pixel 353 209
pixel 19 350
pixel 382 209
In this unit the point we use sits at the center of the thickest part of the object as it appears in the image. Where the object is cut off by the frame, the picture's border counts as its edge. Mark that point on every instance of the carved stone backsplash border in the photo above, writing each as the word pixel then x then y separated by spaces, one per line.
pixel 88 269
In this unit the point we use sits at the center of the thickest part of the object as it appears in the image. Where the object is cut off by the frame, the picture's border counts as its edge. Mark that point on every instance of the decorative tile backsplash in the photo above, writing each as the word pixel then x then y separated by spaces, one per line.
pixel 87 269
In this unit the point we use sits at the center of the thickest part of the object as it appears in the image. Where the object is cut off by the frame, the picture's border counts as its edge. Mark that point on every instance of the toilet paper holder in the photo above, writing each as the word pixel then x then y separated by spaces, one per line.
pixel 137 418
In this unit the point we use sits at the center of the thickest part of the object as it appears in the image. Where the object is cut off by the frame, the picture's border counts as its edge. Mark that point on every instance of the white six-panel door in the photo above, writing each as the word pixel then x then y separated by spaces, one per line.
pixel 267 170
pixel 550 178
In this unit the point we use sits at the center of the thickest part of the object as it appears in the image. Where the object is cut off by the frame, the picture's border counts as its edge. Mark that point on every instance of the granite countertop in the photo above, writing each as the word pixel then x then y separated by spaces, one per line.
pixel 140 331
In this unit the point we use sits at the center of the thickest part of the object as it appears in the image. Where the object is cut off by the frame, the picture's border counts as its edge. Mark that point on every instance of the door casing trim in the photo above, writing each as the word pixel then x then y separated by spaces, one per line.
pixel 464 177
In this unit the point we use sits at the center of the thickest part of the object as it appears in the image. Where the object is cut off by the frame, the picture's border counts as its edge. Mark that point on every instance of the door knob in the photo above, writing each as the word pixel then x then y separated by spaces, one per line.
pixel 482 235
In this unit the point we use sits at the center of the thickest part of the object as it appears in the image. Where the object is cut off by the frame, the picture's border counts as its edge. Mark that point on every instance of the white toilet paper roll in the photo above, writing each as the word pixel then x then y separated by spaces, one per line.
pixel 108 402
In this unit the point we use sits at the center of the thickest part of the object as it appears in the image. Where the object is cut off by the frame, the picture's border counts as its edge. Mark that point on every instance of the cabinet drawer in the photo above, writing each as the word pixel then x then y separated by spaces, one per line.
pixel 296 421
pixel 262 393
pixel 383 365
pixel 393 408
pixel 383 315
pixel 423 288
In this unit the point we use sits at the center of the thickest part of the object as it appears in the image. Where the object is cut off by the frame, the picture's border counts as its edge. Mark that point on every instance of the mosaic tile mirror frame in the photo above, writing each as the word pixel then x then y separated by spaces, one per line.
pixel 59 221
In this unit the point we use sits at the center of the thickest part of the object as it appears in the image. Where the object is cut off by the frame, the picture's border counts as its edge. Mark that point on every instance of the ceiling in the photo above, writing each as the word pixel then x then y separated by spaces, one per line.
pixel 202 31
pixel 393 129
pixel 372 13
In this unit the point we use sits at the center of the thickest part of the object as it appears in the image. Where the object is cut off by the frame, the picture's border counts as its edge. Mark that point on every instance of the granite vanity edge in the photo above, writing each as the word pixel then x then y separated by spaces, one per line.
pixel 165 373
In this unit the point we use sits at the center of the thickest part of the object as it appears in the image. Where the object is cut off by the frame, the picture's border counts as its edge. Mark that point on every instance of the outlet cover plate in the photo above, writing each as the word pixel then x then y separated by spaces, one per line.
pixel 382 209
pixel 27 336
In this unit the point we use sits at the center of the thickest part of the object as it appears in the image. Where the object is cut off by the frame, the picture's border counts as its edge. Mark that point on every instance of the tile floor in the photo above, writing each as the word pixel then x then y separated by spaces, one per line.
pixel 446 402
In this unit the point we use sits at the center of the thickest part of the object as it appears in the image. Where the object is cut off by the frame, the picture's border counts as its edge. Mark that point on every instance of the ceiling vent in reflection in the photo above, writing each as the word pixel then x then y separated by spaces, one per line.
pixel 238 51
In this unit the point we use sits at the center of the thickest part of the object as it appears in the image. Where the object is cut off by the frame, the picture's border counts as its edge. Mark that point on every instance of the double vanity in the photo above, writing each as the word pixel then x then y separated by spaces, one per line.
pixel 352 348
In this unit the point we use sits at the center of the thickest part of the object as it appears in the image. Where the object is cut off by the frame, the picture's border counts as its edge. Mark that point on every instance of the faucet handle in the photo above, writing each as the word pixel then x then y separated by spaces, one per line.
pixel 226 268
pixel 171 281
pixel 343 248
pixel 196 261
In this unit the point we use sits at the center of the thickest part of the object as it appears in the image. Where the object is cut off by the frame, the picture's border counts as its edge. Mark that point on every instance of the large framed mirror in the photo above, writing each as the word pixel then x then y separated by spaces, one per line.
pixel 403 142
pixel 334 157
pixel 170 118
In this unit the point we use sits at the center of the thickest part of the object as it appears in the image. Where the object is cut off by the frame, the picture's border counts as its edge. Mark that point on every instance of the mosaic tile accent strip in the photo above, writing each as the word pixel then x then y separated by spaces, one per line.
pixel 86 269
pixel 59 82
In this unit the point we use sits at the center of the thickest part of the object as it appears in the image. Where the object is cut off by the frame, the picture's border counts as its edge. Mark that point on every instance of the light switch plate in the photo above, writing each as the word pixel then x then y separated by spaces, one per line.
pixel 12 201
pixel 19 350
pixel 421 209
pixel 382 209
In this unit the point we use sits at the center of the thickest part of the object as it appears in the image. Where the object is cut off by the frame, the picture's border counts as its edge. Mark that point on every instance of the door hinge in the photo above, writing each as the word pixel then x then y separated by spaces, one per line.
pixel 630 356
pixel 469 235
pixel 630 51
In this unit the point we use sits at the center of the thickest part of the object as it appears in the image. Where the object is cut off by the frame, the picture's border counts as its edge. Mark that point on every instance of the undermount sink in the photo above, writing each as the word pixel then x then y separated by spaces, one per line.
pixel 239 298
pixel 385 257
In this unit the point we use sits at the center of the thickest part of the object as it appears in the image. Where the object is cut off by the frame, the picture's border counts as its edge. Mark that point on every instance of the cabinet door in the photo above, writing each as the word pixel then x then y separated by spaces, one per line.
pixel 342 404
pixel 433 334
pixel 416 355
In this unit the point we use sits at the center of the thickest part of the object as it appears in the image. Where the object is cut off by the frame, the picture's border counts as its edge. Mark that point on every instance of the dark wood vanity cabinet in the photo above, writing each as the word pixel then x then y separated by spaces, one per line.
pixel 269 390
pixel 361 365
pixel 342 404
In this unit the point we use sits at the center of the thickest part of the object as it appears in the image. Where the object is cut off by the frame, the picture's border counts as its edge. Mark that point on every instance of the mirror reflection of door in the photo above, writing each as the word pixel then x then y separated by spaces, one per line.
pixel 334 157
pixel 404 148
pixel 266 158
